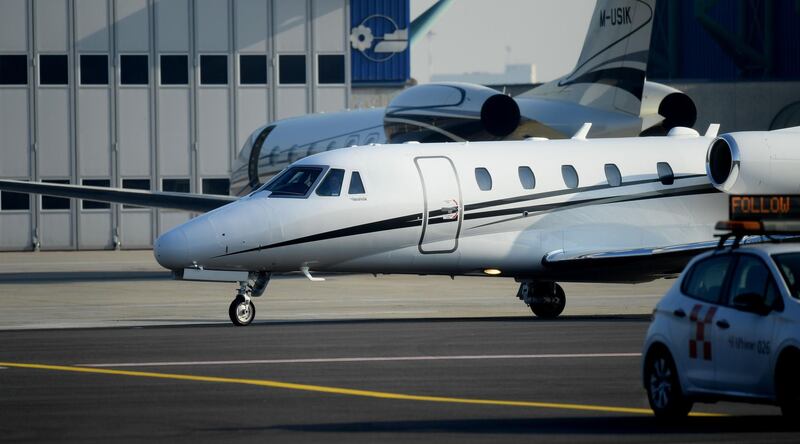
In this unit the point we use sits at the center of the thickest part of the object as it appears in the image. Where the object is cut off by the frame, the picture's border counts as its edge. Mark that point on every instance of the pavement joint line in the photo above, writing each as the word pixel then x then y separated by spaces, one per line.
pixel 365 359
pixel 340 391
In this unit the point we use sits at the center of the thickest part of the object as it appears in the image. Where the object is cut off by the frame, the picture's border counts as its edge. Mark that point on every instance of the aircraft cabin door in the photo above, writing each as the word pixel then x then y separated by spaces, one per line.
pixel 441 221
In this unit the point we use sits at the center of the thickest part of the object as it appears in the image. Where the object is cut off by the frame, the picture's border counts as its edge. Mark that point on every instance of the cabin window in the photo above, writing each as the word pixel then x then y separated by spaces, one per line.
pixel 526 178
pixel 93 204
pixel 613 175
pixel 332 183
pixel 13 69
pixel 133 70
pixel 56 203
pixel 665 174
pixel 94 69
pixel 53 69
pixel 10 200
pixel 294 182
pixel 174 70
pixel 570 176
pixel 356 186
pixel 483 178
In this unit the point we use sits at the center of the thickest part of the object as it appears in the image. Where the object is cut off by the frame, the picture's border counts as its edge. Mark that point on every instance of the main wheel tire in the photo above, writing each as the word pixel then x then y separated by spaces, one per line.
pixel 663 386
pixel 549 300
pixel 241 311
pixel 787 386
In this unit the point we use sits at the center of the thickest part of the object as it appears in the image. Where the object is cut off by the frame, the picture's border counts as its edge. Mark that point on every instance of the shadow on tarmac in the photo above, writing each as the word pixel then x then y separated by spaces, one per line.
pixel 628 425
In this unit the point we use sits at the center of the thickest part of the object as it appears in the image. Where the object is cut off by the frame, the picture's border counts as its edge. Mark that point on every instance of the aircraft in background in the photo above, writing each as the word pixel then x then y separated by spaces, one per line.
pixel 607 88
pixel 539 211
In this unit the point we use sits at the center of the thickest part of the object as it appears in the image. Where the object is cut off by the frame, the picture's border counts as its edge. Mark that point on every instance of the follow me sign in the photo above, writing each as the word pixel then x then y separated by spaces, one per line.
pixel 379 41
pixel 765 207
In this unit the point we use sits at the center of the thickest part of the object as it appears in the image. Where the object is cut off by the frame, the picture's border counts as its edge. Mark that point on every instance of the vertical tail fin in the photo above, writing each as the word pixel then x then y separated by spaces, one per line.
pixel 610 72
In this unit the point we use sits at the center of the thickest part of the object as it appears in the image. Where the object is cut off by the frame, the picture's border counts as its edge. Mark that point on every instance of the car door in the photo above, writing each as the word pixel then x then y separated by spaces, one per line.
pixel 744 328
pixel 692 337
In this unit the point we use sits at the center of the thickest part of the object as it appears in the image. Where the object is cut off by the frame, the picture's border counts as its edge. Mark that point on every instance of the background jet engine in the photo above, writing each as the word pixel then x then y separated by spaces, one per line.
pixel 442 112
pixel 664 108
pixel 755 163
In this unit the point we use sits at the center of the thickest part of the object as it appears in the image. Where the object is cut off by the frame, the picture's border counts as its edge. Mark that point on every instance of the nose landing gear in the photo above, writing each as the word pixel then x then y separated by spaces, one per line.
pixel 546 299
pixel 242 310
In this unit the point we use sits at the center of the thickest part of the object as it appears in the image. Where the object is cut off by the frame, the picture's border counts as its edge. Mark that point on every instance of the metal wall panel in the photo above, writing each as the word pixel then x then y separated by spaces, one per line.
pixel 173 132
pixel 330 98
pixel 289 25
pixel 212 25
pixel 14 136
pixel 54 135
pixel 52 25
pixel 132 25
pixel 56 230
pixel 171 219
pixel 381 17
pixel 252 112
pixel 213 131
pixel 172 25
pixel 91 25
pixel 133 131
pixel 15 230
pixel 291 101
pixel 95 230
pixel 13 25
pixel 251 25
pixel 136 228
pixel 329 25
pixel 94 138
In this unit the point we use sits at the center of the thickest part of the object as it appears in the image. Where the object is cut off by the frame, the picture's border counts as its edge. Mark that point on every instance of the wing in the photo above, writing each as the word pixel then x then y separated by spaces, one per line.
pixel 631 266
pixel 155 199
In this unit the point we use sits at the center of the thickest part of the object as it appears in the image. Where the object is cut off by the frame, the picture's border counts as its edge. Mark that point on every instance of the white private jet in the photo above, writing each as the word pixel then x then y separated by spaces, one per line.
pixel 539 211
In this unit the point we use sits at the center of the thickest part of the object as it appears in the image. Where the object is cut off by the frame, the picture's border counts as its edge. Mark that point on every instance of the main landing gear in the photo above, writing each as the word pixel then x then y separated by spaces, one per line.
pixel 242 310
pixel 546 299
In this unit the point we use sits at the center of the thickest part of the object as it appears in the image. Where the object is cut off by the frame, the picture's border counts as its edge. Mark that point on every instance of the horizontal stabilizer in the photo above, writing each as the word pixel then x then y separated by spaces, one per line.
pixel 155 199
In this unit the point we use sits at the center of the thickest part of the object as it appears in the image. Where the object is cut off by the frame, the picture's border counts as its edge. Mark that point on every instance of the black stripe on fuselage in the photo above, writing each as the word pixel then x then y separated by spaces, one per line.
pixel 416 219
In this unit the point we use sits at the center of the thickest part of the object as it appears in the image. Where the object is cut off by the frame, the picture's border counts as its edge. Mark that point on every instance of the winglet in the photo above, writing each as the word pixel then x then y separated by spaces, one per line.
pixel 583 132
pixel 712 130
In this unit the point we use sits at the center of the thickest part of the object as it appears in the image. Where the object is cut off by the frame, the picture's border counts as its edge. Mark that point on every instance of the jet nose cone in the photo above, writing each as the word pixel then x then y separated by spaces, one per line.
pixel 172 249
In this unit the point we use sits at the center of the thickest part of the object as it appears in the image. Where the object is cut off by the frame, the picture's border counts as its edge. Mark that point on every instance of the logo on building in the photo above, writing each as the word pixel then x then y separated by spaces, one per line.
pixel 379 48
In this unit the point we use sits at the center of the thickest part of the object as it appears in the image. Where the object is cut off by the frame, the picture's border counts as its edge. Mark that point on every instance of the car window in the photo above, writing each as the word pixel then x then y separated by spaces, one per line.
pixel 751 276
pixel 332 183
pixel 789 265
pixel 294 181
pixel 706 278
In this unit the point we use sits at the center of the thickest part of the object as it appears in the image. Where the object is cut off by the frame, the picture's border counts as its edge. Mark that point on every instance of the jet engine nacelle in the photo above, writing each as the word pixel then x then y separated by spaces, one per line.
pixel 441 112
pixel 671 106
pixel 755 162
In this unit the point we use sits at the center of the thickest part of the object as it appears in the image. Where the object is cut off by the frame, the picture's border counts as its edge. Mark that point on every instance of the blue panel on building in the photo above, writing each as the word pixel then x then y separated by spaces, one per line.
pixel 379 41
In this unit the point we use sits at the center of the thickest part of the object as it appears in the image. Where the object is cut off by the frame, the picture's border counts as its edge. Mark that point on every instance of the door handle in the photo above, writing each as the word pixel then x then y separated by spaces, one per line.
pixel 723 324
pixel 679 313
pixel 449 210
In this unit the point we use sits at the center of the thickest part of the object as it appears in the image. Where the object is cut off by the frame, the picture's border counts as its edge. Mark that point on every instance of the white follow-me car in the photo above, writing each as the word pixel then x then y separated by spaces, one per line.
pixel 728 329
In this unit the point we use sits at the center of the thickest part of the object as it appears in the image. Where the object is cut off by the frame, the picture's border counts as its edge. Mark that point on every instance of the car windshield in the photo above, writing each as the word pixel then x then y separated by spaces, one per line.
pixel 295 181
pixel 789 264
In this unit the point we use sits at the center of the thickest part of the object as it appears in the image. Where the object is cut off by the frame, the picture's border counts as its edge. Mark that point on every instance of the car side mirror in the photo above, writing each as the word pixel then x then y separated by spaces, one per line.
pixel 752 302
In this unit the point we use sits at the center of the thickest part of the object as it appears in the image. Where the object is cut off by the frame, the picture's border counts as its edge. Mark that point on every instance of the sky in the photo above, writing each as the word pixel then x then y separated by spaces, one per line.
pixel 484 36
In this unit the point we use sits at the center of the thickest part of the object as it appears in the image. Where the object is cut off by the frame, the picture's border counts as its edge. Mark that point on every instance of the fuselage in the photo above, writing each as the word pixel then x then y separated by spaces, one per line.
pixel 423 209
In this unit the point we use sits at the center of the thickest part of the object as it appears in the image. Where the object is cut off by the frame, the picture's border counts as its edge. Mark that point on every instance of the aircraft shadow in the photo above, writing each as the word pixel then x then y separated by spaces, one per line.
pixel 82 276
pixel 618 425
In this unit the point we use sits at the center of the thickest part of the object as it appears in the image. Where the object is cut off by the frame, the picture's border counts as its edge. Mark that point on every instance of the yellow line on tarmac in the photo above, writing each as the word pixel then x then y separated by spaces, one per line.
pixel 337 390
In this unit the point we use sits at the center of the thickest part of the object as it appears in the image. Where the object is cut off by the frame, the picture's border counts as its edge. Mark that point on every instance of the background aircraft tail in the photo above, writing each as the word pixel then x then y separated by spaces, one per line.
pixel 610 72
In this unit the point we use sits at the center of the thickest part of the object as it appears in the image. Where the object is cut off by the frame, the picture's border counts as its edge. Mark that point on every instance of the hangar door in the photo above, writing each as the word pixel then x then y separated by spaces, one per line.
pixel 441 222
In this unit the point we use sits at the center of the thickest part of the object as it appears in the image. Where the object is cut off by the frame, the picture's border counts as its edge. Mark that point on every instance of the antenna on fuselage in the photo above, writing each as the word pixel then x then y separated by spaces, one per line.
pixel 583 132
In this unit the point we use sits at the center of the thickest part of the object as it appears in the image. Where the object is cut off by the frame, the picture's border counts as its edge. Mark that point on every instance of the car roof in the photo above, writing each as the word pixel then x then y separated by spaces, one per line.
pixel 768 248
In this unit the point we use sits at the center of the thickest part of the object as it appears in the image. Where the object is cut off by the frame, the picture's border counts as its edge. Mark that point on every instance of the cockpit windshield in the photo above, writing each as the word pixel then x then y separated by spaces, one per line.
pixel 295 181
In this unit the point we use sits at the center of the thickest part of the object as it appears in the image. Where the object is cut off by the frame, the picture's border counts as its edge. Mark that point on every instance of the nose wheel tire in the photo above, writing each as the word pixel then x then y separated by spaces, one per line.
pixel 549 301
pixel 663 386
pixel 242 311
